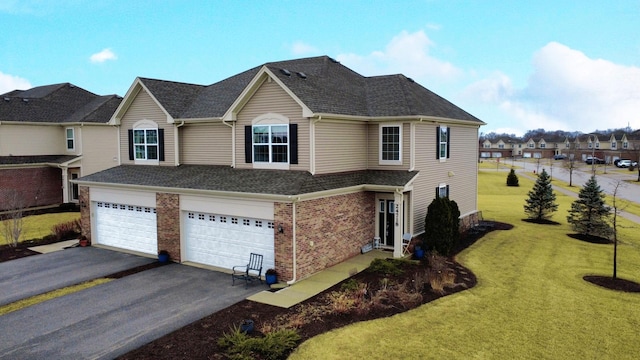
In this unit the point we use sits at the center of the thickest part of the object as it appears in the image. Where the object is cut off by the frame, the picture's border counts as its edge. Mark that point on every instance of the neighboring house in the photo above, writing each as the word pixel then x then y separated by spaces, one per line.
pixel 303 161
pixel 50 135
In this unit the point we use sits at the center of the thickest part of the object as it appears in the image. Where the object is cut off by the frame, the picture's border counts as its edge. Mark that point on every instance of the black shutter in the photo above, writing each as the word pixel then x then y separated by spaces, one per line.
pixel 248 144
pixel 161 144
pixel 130 131
pixel 293 144
pixel 437 142
pixel 447 190
pixel 437 192
pixel 448 142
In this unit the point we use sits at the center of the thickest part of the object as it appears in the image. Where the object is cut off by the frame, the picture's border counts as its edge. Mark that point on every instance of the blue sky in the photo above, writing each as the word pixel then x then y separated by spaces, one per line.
pixel 517 65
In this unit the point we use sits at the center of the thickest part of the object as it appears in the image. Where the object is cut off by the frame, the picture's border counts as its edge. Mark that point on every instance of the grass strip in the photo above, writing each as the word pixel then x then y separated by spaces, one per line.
pixel 33 300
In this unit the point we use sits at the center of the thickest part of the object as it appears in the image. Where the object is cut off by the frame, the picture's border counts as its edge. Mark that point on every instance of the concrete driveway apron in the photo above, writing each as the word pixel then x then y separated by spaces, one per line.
pixel 114 318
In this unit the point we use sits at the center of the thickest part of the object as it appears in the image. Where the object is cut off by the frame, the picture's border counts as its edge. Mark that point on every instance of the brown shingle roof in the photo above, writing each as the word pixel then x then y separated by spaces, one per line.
pixel 255 181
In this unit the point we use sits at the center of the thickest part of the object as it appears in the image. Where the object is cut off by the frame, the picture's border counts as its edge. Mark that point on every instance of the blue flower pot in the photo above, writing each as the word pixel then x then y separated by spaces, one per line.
pixel 418 253
pixel 271 279
pixel 163 258
pixel 246 326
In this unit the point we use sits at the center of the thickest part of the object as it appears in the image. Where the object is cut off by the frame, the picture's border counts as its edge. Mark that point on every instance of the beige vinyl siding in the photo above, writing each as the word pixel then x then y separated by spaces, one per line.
pixel 373 139
pixel 459 171
pixel 99 147
pixel 340 146
pixel 271 98
pixel 32 140
pixel 144 108
pixel 206 144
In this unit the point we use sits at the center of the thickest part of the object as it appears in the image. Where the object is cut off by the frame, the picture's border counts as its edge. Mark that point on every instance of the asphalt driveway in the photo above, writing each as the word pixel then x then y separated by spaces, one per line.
pixel 112 319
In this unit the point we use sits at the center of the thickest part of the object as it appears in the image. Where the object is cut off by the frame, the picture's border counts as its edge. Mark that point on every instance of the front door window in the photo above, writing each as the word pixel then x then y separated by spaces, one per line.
pixel 386 221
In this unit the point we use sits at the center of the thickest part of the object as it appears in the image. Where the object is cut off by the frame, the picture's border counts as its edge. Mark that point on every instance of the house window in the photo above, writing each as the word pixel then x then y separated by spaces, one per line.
pixel 531 145
pixel 543 145
pixel 145 143
pixel 614 145
pixel 487 146
pixel 70 139
pixel 390 144
pixel 625 145
pixel 442 191
pixel 597 145
pixel 501 146
pixel 271 143
pixel 443 142
pixel 566 145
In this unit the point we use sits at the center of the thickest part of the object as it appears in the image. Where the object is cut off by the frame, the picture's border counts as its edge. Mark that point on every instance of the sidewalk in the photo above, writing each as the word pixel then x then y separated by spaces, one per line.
pixel 317 283
pixel 44 249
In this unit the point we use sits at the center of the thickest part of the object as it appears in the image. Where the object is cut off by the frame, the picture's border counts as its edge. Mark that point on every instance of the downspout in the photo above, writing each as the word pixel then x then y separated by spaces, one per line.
pixel 177 143
pixel 293 241
pixel 233 142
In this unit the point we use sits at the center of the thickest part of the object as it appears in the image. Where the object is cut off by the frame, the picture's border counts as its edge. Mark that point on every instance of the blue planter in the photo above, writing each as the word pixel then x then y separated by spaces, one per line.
pixel 271 279
pixel 163 258
pixel 418 253
pixel 246 326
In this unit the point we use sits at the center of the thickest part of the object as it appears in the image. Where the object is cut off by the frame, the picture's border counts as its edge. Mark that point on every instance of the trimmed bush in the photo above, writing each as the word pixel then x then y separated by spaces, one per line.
pixel 442 225
pixel 512 178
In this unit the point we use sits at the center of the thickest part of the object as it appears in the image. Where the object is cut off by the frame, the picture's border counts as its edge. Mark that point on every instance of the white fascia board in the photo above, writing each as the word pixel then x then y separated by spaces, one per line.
pixel 128 99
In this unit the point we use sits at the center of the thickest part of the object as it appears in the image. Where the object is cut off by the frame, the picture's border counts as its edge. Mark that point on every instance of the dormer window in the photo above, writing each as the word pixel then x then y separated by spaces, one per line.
pixel 271 143
pixel 70 139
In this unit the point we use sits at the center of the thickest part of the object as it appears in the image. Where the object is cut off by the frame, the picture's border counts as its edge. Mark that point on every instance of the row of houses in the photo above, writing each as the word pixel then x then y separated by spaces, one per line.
pixel 617 145
pixel 304 161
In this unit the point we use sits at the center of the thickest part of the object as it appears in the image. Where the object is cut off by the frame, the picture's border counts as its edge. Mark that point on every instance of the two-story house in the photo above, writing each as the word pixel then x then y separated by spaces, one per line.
pixel 50 135
pixel 303 161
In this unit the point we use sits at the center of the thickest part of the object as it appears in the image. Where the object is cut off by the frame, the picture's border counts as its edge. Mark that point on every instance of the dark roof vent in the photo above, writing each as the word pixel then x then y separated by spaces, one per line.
pixel 410 79
pixel 286 72
pixel 25 100
pixel 334 60
pixel 302 75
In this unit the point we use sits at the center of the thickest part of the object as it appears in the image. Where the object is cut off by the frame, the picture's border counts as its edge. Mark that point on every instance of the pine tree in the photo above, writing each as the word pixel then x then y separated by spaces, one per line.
pixel 589 215
pixel 542 201
pixel 512 178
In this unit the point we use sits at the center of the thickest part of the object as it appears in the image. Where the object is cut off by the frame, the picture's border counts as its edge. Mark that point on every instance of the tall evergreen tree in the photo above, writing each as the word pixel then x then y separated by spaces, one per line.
pixel 442 225
pixel 542 201
pixel 589 214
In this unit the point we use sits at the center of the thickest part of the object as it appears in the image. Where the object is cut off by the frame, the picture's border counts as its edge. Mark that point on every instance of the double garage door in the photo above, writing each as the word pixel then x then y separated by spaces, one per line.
pixel 209 237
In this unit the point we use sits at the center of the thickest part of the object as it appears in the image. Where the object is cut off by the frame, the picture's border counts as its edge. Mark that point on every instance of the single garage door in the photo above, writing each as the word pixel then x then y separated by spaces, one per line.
pixel 127 227
pixel 225 241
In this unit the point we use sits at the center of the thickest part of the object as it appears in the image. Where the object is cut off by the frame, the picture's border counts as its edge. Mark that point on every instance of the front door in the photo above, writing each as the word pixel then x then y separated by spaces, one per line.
pixel 386 221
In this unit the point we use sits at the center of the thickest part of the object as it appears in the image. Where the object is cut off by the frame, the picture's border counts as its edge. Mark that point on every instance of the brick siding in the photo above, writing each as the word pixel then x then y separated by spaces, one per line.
pixel 40 186
pixel 329 230
pixel 168 212
pixel 85 210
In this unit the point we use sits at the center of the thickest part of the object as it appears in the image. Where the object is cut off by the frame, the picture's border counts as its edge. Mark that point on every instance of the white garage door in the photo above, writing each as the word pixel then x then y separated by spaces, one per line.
pixel 127 227
pixel 225 241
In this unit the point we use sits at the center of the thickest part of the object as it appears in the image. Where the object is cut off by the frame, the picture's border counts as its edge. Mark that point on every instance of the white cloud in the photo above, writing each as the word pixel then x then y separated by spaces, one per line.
pixel 406 53
pixel 567 90
pixel 301 48
pixel 103 56
pixel 11 82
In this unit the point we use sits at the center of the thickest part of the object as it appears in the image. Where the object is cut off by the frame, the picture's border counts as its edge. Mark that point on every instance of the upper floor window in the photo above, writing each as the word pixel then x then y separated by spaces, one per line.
pixel 442 141
pixel 145 143
pixel 597 145
pixel 70 139
pixel 487 146
pixel 442 191
pixel 501 146
pixel 614 145
pixel 625 145
pixel 271 143
pixel 566 145
pixel 391 144
pixel 531 145
pixel 543 145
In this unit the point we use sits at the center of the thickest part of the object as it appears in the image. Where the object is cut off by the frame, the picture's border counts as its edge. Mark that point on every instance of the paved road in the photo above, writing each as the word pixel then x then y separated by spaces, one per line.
pixel 112 319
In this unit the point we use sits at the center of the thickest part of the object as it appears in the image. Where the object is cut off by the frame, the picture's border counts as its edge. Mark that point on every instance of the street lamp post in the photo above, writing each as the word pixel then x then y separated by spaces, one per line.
pixel 593 156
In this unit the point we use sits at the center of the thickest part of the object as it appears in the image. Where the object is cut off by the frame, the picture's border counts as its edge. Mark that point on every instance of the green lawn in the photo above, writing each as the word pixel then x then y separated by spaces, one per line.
pixel 39 226
pixel 530 301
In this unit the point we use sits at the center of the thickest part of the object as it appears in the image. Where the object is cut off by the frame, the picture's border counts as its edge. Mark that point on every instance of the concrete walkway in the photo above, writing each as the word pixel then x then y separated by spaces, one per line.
pixel 49 248
pixel 317 283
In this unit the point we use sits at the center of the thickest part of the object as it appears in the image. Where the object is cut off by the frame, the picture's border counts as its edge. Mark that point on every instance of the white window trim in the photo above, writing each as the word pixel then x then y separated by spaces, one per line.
pixel 271 119
pixel 389 162
pixel 73 138
pixel 443 157
pixel 146 161
pixel 442 187
pixel 271 164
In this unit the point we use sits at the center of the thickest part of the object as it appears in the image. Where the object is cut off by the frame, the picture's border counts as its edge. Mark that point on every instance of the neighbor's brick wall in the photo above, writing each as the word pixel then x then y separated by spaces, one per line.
pixel 329 231
pixel 168 212
pixel 85 210
pixel 35 187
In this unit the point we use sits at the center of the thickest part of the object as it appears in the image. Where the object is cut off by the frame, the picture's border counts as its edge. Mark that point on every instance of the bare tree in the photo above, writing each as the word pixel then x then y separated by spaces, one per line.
pixel 12 224
pixel 570 165
pixel 617 207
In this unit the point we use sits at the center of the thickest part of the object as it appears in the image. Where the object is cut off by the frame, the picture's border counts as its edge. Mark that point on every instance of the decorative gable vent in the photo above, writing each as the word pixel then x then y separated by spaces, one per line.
pixel 285 72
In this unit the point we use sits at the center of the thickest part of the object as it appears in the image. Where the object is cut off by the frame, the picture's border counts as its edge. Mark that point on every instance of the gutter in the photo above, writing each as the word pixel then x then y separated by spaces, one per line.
pixel 294 243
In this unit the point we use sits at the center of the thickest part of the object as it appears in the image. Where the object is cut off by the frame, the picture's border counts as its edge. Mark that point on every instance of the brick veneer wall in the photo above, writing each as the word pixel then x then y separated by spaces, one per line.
pixel 168 212
pixel 40 186
pixel 85 210
pixel 329 230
